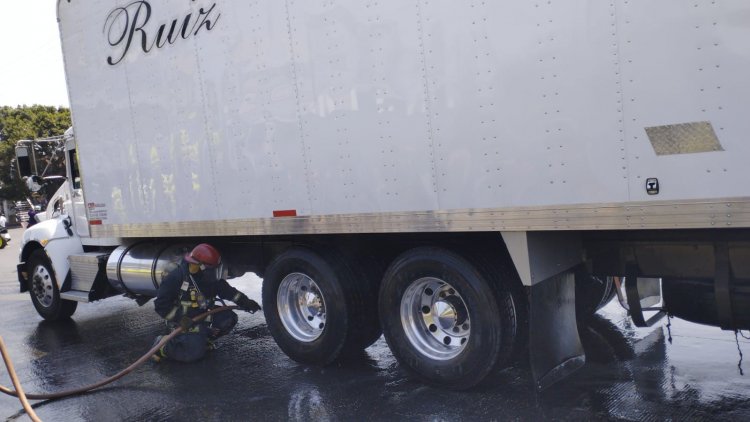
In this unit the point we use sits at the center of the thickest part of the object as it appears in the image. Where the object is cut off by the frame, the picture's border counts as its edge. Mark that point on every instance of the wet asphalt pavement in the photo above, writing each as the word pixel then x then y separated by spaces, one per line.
pixel 631 374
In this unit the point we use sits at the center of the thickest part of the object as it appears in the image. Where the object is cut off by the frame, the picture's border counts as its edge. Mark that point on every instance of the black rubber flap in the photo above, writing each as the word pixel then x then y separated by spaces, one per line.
pixel 555 347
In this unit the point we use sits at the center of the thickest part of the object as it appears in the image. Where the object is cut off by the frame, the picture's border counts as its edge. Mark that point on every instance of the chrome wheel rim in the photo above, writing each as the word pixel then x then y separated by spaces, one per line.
pixel 435 318
pixel 41 286
pixel 302 308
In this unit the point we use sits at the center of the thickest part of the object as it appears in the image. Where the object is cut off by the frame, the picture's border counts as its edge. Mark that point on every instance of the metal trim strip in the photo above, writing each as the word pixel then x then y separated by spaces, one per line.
pixel 688 214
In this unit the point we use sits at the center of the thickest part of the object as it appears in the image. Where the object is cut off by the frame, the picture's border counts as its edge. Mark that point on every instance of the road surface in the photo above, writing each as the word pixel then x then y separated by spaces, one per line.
pixel 631 374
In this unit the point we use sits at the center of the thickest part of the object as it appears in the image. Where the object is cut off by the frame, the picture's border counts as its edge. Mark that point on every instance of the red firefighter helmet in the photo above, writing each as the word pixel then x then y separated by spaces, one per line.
pixel 204 255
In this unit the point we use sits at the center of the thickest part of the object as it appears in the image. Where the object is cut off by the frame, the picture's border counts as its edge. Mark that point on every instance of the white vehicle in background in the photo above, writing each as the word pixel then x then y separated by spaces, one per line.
pixel 461 176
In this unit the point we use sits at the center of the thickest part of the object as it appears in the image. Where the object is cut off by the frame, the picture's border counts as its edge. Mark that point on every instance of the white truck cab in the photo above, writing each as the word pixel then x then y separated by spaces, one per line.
pixel 52 251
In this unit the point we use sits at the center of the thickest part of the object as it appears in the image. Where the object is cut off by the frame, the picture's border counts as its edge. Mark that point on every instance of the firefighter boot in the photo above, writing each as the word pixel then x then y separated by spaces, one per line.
pixel 159 355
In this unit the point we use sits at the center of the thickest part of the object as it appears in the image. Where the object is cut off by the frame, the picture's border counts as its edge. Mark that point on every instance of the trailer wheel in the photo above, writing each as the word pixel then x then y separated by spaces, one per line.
pixel 592 293
pixel 366 295
pixel 44 291
pixel 312 306
pixel 443 320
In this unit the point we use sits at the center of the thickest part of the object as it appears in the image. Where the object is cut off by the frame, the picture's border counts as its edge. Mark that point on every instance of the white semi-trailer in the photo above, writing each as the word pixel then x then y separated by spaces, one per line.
pixel 458 175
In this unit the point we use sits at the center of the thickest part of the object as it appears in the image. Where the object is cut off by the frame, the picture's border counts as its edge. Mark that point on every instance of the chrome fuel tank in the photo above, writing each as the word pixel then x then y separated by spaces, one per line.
pixel 139 268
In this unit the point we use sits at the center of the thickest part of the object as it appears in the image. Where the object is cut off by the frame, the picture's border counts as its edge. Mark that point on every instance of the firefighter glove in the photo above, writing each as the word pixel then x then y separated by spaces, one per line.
pixel 185 323
pixel 248 305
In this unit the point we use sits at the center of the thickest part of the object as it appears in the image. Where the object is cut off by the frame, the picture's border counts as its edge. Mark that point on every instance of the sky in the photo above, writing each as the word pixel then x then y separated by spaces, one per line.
pixel 31 65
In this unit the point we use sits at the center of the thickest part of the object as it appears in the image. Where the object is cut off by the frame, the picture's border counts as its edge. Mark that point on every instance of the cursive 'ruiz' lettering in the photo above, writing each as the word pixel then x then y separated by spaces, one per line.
pixel 129 25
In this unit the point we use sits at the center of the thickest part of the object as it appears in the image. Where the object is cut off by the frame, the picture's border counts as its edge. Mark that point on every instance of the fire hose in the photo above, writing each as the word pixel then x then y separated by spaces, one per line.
pixel 24 397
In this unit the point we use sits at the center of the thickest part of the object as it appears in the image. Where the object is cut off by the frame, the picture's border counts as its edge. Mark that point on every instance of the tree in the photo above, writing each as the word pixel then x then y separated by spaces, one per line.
pixel 25 122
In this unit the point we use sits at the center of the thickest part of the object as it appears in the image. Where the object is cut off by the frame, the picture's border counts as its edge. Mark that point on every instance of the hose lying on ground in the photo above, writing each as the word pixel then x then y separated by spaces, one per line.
pixel 23 397
pixel 19 391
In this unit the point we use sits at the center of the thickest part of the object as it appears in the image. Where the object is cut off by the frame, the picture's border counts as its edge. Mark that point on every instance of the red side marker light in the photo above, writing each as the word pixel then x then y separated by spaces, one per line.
pixel 285 213
pixel 95 222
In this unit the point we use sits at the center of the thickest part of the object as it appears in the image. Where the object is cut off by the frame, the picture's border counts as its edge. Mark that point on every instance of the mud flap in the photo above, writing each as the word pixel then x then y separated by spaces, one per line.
pixel 555 346
pixel 23 276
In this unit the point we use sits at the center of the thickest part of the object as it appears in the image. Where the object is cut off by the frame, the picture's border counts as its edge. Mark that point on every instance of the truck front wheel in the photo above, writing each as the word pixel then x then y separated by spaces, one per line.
pixel 44 291
pixel 443 320
pixel 312 306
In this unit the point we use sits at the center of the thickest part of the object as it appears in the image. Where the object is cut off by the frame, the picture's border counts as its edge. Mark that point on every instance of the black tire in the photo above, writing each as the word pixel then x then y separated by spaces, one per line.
pixel 341 333
pixel 45 294
pixel 513 300
pixel 366 294
pixel 489 309
pixel 592 293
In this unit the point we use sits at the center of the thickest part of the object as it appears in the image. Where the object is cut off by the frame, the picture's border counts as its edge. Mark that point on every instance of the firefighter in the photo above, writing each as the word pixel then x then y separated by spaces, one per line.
pixel 190 290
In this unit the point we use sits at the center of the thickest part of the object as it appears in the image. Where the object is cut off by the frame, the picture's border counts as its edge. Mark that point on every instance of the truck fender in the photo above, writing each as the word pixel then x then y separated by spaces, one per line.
pixel 53 236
